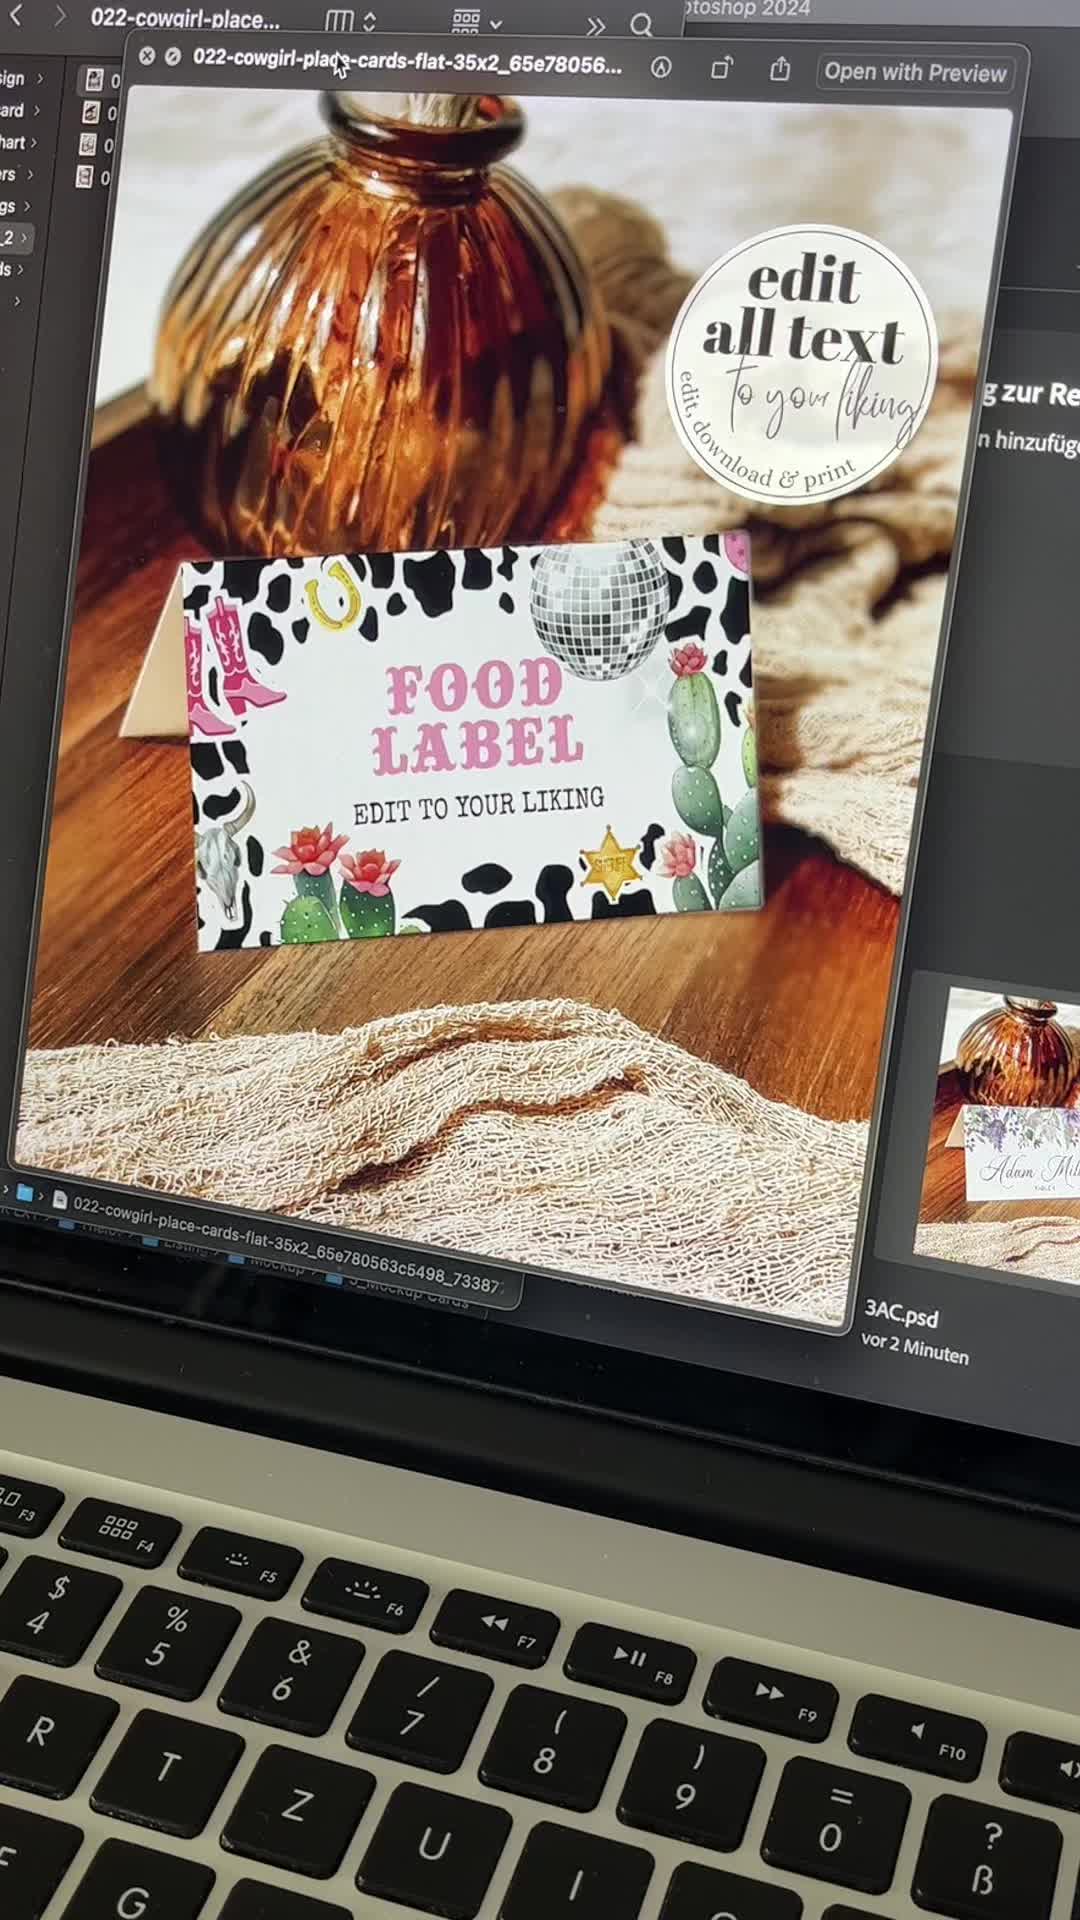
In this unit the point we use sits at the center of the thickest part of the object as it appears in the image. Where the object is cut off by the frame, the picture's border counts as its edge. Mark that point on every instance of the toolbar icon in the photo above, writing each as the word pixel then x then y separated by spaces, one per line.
pixel 339 19
pixel 721 69
pixel 780 69
pixel 662 67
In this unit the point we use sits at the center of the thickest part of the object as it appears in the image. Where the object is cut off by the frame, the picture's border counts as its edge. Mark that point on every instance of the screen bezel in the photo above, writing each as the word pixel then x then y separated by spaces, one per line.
pixel 226 1345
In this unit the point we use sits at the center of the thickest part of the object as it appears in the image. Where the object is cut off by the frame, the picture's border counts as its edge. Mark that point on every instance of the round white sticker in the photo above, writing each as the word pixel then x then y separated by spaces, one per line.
pixel 802 364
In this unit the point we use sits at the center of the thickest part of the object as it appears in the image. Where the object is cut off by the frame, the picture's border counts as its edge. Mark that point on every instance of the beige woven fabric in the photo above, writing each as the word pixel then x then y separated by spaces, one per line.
pixel 1045 1248
pixel 544 1132
pixel 846 631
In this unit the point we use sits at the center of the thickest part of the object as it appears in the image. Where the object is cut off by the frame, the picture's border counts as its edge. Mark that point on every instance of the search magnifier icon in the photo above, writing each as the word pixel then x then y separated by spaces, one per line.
pixel 641 24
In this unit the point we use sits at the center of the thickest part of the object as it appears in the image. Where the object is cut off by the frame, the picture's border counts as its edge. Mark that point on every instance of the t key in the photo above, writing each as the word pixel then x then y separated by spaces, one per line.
pixel 832 1824
pixel 167 1774
pixel 979 1862
pixel 51 1611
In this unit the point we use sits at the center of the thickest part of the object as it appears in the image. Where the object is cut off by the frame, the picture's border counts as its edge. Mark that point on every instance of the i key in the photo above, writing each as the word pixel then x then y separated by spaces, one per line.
pixel 292 1677
pixel 979 1862
pixel 695 1786
pixel 553 1747
pixel 49 1734
pixel 50 1611
pixel 564 1873
pixel 168 1643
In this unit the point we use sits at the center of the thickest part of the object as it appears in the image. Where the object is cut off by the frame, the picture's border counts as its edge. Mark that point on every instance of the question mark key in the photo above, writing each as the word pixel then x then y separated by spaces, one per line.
pixel 981 1862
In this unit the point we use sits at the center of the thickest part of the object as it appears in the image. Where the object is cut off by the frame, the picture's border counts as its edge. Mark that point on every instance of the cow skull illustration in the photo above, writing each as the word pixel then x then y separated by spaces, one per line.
pixel 217 855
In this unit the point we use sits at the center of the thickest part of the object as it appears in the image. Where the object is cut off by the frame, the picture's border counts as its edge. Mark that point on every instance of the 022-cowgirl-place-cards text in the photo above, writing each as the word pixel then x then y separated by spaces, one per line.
pixel 385 744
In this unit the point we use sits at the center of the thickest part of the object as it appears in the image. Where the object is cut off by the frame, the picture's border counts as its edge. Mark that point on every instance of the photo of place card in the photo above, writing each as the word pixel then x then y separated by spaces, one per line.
pixel 387 744
pixel 1022 1153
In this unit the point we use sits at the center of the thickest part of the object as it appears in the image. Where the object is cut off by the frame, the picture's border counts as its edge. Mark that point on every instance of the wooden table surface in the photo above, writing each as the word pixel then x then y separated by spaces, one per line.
pixel 943 1183
pixel 792 998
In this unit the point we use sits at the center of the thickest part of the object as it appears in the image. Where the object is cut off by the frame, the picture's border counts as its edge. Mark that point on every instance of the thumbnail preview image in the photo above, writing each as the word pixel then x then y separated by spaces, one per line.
pixel 1001 1188
pixel 658 1072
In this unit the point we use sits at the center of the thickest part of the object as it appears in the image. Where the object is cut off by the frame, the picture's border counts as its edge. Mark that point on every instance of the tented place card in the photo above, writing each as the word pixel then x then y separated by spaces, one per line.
pixel 1022 1153
pixel 430 742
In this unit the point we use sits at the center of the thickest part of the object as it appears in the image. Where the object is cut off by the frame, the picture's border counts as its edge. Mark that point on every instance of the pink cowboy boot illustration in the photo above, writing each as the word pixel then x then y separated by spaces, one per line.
pixel 240 689
pixel 201 716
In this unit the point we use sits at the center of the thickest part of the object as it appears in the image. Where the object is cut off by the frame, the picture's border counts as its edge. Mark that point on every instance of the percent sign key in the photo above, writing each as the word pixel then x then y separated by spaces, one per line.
pixel 168 1644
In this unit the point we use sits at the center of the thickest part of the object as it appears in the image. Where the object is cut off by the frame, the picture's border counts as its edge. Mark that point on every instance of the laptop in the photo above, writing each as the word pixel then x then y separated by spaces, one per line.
pixel 540 1039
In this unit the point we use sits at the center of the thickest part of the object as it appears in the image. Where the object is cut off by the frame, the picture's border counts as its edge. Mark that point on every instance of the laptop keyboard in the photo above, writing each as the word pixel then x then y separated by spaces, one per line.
pixel 201 1724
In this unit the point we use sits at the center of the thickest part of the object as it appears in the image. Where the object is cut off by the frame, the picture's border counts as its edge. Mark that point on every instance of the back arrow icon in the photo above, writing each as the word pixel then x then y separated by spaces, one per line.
pixel 15 12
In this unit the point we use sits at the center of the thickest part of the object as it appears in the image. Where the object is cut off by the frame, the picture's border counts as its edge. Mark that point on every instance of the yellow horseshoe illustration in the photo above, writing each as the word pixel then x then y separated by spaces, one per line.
pixel 339 572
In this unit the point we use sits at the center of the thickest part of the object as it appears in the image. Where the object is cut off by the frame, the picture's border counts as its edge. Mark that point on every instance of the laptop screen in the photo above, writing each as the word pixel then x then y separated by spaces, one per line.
pixel 504 845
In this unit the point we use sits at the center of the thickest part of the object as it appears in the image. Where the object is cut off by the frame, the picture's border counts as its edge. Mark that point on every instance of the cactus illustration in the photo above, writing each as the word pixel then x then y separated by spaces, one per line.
pixel 305 922
pixel 694 720
pixel 721 873
pixel 366 916
pixel 749 756
pixel 742 835
pixel 745 890
pixel 319 886
pixel 697 800
pixel 689 896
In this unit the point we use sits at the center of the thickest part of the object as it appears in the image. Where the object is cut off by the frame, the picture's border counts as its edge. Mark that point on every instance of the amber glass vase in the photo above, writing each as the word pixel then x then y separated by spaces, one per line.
pixel 388 340
pixel 1016 1055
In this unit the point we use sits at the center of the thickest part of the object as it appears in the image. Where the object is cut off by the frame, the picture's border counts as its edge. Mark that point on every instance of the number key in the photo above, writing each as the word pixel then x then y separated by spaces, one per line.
pixel 420 1711
pixel 697 1787
pixel 832 1824
pixel 51 1612
pixel 168 1643
pixel 553 1747
pixel 291 1677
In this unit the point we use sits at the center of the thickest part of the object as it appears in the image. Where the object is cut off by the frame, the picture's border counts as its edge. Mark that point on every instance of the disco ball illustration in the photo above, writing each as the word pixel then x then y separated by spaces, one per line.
pixel 600 610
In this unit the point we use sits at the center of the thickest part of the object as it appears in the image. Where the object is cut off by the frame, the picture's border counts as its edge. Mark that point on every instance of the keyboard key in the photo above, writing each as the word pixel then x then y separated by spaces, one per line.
pixel 292 1677
pixel 630 1663
pixel 835 1825
pixel 35 1854
pixel 697 1787
pixel 1039 1769
pixel 775 1701
pixel 564 1873
pixel 26 1508
pixel 365 1596
pixel 168 1643
pixel 51 1611
pixel 420 1711
pixel 553 1747
pixel 119 1533
pixel 702 1893
pixel 262 1568
pixel 918 1737
pixel 496 1629
pixel 979 1862
pixel 49 1734
pixel 124 1880
pixel 167 1774
pixel 254 1900
pixel 299 1812
pixel 435 1852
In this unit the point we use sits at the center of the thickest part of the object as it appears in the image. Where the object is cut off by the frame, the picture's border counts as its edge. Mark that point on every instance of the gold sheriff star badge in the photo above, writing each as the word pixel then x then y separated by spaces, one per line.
pixel 610 866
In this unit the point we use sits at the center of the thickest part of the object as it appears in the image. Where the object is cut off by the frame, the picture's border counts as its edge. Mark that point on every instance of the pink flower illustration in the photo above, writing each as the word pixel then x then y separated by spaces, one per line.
pixel 678 857
pixel 311 850
pixel 369 872
pixel 687 660
pixel 737 548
